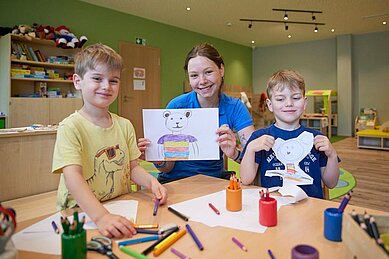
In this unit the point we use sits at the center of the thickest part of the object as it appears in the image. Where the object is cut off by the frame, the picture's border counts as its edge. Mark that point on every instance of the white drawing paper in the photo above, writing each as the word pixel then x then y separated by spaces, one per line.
pixel 181 134
pixel 41 238
pixel 290 152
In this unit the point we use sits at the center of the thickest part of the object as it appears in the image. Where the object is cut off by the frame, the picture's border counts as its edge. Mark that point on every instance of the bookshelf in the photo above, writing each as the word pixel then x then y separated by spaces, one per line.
pixel 27 80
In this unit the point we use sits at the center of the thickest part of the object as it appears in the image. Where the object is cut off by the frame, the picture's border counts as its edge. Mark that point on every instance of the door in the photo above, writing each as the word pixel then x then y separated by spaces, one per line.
pixel 140 82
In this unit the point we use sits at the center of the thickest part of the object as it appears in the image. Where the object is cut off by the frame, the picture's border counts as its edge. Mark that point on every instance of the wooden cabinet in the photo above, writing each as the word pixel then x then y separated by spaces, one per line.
pixel 18 93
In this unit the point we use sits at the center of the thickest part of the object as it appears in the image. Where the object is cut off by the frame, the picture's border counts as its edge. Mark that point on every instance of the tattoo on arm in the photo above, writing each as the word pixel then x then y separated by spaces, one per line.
pixel 243 140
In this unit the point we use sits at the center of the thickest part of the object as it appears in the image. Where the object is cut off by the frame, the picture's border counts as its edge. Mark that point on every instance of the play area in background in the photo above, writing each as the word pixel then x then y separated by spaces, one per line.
pixel 346 180
pixel 181 134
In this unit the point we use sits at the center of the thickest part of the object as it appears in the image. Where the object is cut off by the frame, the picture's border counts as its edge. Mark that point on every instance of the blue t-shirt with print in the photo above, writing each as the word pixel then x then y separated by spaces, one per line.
pixel 231 112
pixel 311 164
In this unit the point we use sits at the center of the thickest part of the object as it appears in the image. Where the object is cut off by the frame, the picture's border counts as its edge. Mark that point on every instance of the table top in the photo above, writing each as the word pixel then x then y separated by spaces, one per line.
pixel 301 223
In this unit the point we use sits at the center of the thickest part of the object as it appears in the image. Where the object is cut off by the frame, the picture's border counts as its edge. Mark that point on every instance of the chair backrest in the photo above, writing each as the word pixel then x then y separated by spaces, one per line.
pixel 326 192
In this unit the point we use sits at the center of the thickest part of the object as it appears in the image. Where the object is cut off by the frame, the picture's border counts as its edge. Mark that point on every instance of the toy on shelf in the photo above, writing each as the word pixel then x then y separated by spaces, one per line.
pixel 366 119
pixel 324 118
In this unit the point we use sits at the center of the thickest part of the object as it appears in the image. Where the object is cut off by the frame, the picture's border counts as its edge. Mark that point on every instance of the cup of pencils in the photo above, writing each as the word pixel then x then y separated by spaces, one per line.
pixel 234 195
pixel 267 209
pixel 73 238
pixel 333 218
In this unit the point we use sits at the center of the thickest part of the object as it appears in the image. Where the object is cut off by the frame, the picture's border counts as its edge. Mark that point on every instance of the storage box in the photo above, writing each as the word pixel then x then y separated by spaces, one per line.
pixel 359 243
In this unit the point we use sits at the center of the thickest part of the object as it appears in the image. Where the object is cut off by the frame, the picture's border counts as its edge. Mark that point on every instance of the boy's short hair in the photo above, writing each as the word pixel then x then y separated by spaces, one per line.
pixel 93 55
pixel 285 78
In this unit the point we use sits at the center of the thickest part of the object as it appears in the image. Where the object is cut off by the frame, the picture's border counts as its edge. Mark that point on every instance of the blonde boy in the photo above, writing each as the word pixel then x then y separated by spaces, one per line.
pixel 286 99
pixel 96 150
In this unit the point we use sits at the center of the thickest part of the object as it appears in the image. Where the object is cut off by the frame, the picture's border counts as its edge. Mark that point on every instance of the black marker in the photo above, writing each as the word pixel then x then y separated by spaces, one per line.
pixel 179 214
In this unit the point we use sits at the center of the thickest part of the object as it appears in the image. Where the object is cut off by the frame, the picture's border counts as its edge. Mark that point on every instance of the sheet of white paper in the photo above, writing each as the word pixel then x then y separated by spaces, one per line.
pixel 181 134
pixel 296 193
pixel 198 210
pixel 41 238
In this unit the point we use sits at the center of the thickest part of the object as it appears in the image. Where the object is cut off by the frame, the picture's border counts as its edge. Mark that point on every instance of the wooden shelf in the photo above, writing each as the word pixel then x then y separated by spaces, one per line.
pixel 44 64
pixel 43 80
pixel 373 139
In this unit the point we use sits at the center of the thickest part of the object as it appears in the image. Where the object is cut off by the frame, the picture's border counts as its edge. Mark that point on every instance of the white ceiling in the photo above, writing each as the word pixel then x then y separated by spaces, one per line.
pixel 210 17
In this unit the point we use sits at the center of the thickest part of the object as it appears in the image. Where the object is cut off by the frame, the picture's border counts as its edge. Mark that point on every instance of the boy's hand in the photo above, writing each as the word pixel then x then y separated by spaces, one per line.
pixel 159 191
pixel 265 142
pixel 226 140
pixel 115 226
pixel 142 145
pixel 322 143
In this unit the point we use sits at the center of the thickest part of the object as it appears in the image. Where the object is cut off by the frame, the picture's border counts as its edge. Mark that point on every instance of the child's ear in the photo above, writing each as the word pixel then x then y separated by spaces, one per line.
pixel 77 81
pixel 269 105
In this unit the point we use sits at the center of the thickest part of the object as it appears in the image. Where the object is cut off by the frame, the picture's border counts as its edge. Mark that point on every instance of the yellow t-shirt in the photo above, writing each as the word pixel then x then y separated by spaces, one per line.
pixel 103 153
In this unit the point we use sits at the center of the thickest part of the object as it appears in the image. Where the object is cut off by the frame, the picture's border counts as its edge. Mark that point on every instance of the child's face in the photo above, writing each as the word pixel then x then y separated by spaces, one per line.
pixel 287 105
pixel 99 86
pixel 205 77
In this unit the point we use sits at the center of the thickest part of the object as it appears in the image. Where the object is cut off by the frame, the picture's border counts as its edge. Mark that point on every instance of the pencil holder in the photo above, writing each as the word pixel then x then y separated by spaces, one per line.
pixel 304 252
pixel 268 211
pixel 234 199
pixel 74 246
pixel 333 224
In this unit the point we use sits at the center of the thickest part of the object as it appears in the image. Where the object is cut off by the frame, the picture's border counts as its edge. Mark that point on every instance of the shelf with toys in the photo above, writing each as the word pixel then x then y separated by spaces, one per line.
pixel 324 118
pixel 32 70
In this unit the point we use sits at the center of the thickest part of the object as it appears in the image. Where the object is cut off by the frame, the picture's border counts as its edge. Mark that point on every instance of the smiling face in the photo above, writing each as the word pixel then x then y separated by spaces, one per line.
pixel 99 86
pixel 205 77
pixel 288 105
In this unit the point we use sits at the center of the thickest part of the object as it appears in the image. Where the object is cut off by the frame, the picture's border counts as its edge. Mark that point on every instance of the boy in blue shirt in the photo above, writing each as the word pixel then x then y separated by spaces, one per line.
pixel 286 99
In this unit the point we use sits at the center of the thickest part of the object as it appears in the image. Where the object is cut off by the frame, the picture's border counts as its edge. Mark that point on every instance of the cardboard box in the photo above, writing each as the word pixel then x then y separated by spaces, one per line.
pixel 359 243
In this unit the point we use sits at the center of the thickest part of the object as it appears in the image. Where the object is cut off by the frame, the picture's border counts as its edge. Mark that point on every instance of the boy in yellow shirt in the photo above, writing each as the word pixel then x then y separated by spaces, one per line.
pixel 96 151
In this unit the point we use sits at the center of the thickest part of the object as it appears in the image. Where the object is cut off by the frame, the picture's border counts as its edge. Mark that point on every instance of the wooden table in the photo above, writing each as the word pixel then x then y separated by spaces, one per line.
pixel 301 223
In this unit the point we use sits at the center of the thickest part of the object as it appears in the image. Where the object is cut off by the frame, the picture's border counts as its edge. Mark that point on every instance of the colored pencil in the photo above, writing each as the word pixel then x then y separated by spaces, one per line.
pixel 214 208
pixel 138 240
pixel 155 210
pixel 238 243
pixel 344 202
pixel 132 253
pixel 147 231
pixel 271 254
pixel 161 249
pixel 177 213
pixel 166 235
pixel 55 227
pixel 178 253
pixel 195 238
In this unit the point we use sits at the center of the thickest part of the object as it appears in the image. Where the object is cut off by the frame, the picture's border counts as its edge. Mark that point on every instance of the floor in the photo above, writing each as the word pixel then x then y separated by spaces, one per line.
pixel 370 168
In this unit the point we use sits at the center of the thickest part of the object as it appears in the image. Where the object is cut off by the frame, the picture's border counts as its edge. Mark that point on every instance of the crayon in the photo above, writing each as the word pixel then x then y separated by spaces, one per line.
pixel 195 238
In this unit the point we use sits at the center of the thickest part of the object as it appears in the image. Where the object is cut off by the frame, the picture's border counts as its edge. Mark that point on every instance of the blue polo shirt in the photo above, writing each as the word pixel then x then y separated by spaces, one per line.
pixel 267 160
pixel 231 111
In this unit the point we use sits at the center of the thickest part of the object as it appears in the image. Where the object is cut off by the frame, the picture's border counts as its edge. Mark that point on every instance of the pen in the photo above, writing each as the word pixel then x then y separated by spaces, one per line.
pixel 132 253
pixel 195 238
pixel 165 246
pixel 156 207
pixel 214 208
pixel 55 227
pixel 179 214
pixel 178 253
pixel 166 235
pixel 138 240
pixel 145 226
pixel 271 254
pixel 236 241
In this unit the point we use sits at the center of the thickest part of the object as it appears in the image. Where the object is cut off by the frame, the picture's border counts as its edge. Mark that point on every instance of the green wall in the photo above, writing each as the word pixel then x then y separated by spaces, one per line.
pixel 109 27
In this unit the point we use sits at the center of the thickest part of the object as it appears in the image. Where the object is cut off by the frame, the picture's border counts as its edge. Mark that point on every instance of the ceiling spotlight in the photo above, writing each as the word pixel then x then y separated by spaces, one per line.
pixel 252 42
pixel 229 24
pixel 250 25
pixel 188 8
pixel 316 29
pixel 313 17
pixel 286 16
pixel 332 30
pixel 286 27
pixel 289 36
pixel 384 22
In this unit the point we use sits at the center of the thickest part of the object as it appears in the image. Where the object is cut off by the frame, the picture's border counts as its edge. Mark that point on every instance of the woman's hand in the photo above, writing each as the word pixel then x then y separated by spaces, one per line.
pixel 142 145
pixel 227 141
